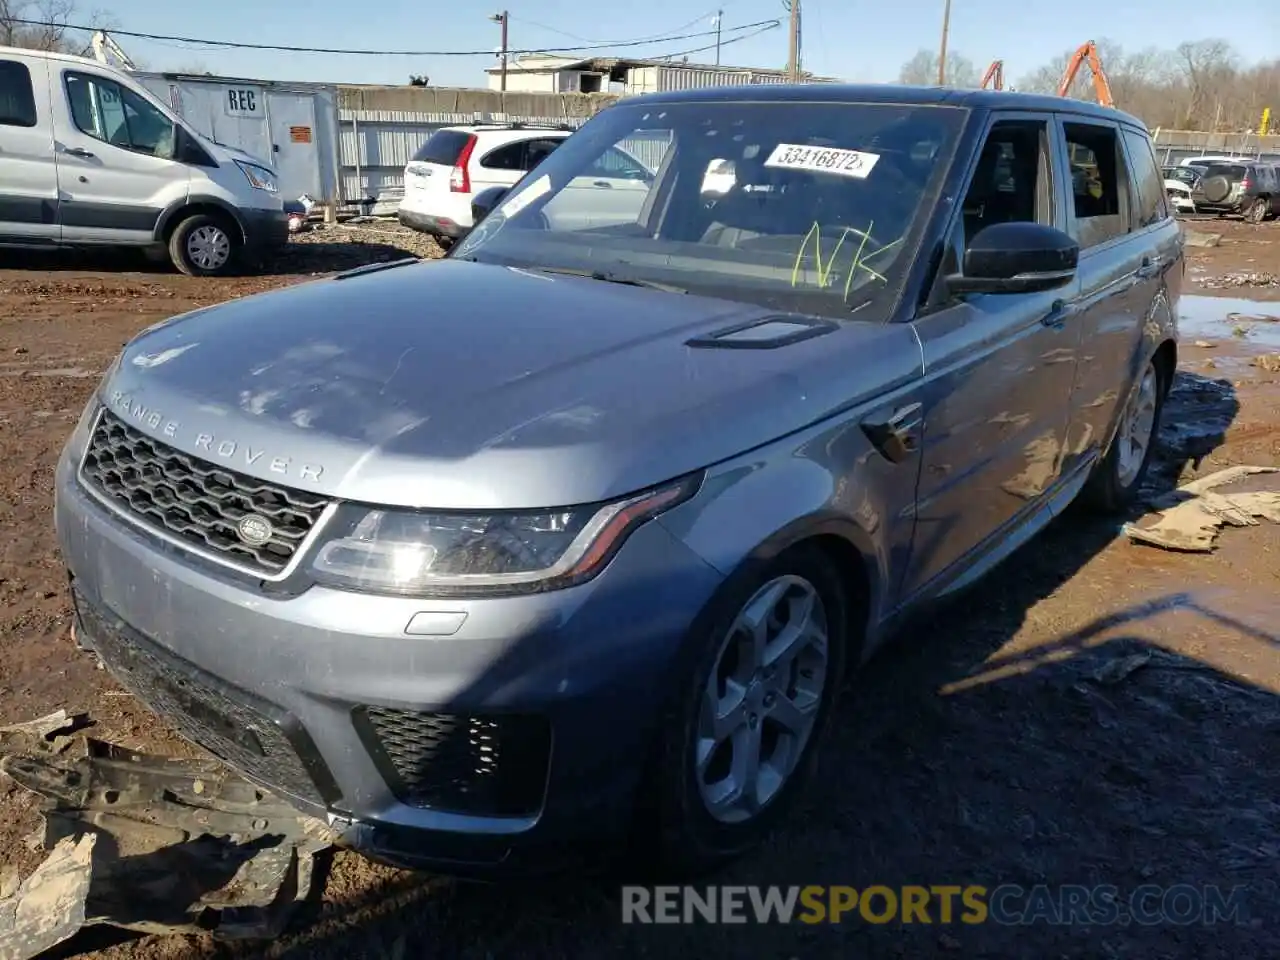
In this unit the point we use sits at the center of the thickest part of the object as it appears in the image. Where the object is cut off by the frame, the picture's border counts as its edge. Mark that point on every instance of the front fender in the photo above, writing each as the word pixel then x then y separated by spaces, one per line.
pixel 829 482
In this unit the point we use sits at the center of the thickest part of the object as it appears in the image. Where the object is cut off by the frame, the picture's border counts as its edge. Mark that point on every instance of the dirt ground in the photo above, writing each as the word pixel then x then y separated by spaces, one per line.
pixel 1006 741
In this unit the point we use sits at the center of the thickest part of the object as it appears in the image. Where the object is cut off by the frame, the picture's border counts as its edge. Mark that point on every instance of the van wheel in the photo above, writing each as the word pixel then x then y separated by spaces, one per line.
pixel 203 246
pixel 1118 477
pixel 740 732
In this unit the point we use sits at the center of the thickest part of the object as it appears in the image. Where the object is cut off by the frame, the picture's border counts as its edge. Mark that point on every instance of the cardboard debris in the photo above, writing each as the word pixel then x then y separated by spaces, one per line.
pixel 1190 517
pixel 147 843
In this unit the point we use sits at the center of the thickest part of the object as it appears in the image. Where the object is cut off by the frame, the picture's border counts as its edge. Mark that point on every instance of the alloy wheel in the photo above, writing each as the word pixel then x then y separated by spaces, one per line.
pixel 1137 427
pixel 761 701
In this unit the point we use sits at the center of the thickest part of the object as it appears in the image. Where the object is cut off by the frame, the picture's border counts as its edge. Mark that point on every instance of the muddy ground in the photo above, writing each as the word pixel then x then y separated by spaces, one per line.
pixel 993 745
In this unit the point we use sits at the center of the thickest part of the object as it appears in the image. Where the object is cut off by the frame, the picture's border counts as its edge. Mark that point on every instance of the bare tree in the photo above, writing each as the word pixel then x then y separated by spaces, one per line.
pixel 48 25
pixel 1201 85
pixel 922 70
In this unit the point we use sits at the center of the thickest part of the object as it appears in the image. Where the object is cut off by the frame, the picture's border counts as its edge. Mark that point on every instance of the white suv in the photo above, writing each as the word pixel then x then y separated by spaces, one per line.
pixel 456 163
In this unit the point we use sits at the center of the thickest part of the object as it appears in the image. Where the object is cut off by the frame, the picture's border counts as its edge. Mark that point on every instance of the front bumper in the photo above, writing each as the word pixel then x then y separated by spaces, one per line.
pixel 325 700
pixel 264 230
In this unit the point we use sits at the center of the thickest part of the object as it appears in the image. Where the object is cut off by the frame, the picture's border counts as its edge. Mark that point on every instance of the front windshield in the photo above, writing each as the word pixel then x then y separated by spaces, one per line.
pixel 796 205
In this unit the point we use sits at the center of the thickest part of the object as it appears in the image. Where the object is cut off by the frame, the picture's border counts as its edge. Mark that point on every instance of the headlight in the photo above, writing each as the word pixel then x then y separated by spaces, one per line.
pixel 478 554
pixel 260 178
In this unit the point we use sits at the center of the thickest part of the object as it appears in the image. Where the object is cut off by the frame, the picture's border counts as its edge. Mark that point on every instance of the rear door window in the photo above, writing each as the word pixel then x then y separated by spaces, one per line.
pixel 442 147
pixel 509 156
pixel 17 98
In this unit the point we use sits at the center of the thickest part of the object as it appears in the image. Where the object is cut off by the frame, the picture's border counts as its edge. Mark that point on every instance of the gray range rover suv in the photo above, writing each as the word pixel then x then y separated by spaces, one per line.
pixel 574 535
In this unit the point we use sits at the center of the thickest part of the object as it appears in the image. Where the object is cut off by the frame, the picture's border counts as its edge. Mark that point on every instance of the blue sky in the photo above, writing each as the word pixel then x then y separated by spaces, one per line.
pixel 853 41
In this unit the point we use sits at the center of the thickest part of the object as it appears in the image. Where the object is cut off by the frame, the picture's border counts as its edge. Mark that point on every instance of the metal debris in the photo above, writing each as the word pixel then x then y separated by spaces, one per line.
pixel 152 844
pixel 48 907
pixel 1190 517
pixel 1244 279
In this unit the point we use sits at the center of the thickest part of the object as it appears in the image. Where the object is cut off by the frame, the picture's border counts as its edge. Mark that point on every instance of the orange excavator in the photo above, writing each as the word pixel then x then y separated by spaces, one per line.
pixel 1087 53
pixel 994 77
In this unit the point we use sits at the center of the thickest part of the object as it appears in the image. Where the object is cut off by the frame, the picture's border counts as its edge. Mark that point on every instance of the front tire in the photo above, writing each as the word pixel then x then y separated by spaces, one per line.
pixel 1115 483
pixel 203 246
pixel 740 734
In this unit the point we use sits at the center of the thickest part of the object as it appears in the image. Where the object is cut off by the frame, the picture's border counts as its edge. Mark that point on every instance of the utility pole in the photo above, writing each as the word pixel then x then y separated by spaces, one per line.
pixel 719 20
pixel 502 18
pixel 942 49
pixel 793 52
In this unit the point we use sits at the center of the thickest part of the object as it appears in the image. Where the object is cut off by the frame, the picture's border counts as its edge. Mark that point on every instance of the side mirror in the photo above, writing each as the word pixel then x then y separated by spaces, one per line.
pixel 1016 258
pixel 482 203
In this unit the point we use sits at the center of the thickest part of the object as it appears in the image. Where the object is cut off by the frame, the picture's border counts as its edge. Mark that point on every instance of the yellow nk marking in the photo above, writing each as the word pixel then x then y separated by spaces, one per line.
pixel 824 269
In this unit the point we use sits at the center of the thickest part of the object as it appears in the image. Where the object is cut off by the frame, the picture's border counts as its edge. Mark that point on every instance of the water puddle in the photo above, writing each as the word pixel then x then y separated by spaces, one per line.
pixel 1253 322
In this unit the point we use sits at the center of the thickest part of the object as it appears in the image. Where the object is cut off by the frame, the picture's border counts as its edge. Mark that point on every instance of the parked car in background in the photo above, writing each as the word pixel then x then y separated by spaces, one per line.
pixel 456 163
pixel 1178 184
pixel 89 157
pixel 572 537
pixel 1251 190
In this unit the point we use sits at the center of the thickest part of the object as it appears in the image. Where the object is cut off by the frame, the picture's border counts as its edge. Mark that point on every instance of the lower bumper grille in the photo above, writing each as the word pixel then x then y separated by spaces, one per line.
pixel 485 766
pixel 266 748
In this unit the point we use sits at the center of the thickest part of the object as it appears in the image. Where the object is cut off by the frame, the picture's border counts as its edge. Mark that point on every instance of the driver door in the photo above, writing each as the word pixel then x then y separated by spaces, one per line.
pixel 112 150
pixel 999 370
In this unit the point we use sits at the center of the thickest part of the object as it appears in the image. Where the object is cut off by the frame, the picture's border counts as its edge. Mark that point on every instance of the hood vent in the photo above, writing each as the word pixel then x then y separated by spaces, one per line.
pixel 767 333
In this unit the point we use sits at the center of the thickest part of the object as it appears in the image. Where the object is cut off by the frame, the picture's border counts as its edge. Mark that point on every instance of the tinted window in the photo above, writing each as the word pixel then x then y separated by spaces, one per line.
pixel 442 147
pixel 1232 171
pixel 538 150
pixel 1146 175
pixel 17 100
pixel 108 112
pixel 508 157
pixel 1010 182
pixel 1099 183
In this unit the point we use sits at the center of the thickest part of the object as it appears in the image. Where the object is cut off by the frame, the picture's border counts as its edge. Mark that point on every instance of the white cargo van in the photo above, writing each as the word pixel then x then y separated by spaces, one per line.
pixel 90 157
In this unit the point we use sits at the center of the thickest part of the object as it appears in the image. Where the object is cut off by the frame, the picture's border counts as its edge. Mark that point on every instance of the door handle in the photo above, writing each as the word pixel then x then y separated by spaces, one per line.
pixel 78 152
pixel 898 437
pixel 1061 312
pixel 1150 267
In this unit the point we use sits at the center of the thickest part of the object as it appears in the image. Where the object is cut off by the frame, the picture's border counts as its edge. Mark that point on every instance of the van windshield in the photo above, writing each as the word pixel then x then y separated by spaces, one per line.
pixel 812 206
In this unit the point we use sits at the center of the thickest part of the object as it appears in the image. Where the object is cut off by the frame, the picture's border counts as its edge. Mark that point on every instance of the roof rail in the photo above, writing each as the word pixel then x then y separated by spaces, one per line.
pixel 521 125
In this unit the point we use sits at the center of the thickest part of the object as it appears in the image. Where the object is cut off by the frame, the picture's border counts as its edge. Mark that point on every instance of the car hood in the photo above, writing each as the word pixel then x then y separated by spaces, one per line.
pixel 461 385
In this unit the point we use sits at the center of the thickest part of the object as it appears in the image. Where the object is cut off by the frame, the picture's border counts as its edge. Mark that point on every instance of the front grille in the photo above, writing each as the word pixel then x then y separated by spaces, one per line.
pixel 488 766
pixel 245 738
pixel 197 502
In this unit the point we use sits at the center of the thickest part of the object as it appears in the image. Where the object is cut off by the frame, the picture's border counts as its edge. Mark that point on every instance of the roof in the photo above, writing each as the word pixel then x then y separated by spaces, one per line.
pixel 50 55
pixel 892 93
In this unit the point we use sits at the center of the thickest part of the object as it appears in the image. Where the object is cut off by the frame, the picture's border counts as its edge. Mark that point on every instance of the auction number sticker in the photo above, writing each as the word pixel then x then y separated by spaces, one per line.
pixel 844 163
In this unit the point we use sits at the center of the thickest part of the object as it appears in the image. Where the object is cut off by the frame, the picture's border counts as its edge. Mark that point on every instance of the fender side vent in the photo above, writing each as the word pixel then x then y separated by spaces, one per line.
pixel 375 268
pixel 765 334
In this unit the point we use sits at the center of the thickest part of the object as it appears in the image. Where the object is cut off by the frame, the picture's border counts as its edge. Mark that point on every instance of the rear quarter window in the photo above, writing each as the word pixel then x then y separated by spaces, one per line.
pixel 17 98
pixel 442 147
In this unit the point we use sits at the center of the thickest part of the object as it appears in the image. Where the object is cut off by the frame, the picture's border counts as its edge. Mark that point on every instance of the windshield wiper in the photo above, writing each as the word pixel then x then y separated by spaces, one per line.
pixel 610 278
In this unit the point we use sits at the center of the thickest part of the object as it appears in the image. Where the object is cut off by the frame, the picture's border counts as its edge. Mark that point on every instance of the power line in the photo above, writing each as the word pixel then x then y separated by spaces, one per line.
pixel 235 45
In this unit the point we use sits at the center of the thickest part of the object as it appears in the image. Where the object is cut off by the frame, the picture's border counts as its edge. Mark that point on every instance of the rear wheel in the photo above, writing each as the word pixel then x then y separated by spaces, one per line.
pixel 1120 475
pixel 203 246
pixel 740 735
pixel 1257 211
